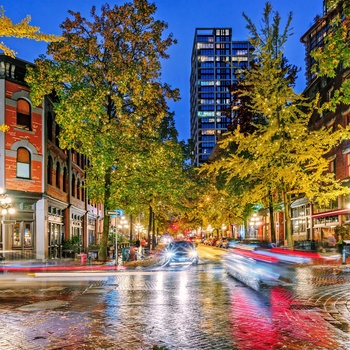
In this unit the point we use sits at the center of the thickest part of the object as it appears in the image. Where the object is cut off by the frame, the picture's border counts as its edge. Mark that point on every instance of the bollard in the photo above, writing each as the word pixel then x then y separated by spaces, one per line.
pixel 344 255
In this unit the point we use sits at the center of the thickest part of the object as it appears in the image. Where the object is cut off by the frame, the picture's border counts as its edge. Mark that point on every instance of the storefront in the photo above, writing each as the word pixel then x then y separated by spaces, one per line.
pixel 326 222
pixel 55 233
pixel 18 230
pixel 301 219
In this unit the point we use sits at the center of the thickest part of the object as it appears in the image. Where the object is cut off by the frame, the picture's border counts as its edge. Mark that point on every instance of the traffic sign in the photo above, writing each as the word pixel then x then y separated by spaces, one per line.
pixel 117 213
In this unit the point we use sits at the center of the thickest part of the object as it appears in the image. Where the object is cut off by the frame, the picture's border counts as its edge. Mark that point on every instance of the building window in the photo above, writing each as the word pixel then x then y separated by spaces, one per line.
pixel 22 235
pixel 57 134
pixel 73 186
pixel 65 180
pixel 23 163
pixel 347 119
pixel 78 189
pixel 82 192
pixel 58 170
pixel 332 166
pixel 49 170
pixel 23 114
pixel 49 126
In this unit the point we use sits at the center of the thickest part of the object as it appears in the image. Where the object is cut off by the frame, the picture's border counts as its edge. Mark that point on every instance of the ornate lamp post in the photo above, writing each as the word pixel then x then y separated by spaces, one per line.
pixel 6 208
pixel 5 203
pixel 123 224
pixel 254 224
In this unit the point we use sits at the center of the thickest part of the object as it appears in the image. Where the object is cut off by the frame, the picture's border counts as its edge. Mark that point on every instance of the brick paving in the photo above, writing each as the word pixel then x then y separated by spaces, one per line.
pixel 200 307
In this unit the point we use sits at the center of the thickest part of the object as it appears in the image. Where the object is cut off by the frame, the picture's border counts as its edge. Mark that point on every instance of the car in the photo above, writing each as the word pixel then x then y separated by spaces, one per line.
pixel 181 253
pixel 194 240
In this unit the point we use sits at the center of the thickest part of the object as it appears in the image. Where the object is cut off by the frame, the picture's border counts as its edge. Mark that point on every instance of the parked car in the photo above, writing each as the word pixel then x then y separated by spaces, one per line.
pixel 181 253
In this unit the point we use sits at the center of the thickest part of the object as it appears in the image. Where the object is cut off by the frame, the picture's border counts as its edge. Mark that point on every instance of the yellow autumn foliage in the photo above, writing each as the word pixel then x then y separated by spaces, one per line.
pixel 21 30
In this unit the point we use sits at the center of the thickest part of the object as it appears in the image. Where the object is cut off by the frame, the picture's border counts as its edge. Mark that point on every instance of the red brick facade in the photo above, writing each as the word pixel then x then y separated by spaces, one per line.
pixel 44 181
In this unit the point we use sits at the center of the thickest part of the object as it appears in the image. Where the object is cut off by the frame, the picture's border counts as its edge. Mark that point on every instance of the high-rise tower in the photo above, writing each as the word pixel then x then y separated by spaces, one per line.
pixel 215 66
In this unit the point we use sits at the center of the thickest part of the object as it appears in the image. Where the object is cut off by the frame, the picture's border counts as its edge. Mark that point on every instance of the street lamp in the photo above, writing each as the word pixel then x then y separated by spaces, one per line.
pixel 210 230
pixel 123 223
pixel 5 203
pixel 254 224
pixel 6 208
pixel 223 229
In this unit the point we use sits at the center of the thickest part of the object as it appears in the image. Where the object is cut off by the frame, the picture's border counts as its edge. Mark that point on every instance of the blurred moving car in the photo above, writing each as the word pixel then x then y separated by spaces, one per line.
pixel 194 240
pixel 181 253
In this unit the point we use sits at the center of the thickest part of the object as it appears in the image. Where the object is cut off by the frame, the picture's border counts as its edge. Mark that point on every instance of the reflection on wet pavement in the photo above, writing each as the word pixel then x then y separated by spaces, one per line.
pixel 200 307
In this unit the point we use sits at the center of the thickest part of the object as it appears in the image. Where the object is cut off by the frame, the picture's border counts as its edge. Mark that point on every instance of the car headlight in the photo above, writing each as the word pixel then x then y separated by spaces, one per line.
pixel 169 255
pixel 193 254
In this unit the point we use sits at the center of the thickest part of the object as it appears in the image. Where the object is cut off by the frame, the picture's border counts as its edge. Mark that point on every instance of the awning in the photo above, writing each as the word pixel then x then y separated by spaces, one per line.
pixel 331 213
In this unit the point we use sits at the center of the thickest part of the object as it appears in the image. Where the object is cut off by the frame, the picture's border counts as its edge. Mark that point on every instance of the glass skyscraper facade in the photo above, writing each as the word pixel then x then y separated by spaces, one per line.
pixel 216 64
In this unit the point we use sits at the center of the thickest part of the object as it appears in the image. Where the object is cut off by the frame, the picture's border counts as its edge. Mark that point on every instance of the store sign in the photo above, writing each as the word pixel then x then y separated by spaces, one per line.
pixel 54 218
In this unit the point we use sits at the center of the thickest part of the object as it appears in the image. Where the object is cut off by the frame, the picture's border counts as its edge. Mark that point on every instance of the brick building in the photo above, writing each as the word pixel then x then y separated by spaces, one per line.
pixel 323 221
pixel 45 182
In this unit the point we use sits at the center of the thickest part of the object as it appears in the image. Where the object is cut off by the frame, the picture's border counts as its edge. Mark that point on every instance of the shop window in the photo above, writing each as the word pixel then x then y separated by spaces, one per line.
pixel 22 235
pixel 24 119
pixel 17 237
pixel 23 163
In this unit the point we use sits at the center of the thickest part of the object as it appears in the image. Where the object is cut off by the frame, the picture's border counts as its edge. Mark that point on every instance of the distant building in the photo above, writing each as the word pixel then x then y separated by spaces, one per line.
pixel 320 223
pixel 216 63
pixel 45 182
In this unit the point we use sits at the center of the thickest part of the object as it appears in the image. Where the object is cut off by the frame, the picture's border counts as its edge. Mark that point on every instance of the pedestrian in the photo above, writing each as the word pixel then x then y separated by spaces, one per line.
pixel 137 246
pixel 143 244
pixel 340 244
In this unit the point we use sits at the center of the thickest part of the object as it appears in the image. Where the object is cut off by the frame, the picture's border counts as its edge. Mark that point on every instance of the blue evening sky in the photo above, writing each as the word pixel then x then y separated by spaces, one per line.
pixel 182 16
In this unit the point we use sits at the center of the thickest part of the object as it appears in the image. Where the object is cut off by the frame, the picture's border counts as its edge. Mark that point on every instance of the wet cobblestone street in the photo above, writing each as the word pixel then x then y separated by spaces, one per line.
pixel 200 307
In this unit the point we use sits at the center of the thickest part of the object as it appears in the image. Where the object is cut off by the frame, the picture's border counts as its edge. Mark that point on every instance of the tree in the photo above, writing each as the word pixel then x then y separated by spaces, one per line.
pixel 334 54
pixel 20 30
pixel 281 157
pixel 106 77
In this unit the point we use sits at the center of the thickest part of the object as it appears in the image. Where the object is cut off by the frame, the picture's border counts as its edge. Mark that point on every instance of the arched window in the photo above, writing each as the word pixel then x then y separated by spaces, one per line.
pixel 73 186
pixel 49 170
pixel 58 170
pixel 49 122
pixel 82 192
pixel 65 180
pixel 23 163
pixel 24 119
pixel 78 189
pixel 57 133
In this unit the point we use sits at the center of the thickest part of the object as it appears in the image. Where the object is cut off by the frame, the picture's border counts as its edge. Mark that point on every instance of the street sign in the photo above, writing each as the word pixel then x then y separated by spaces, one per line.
pixel 117 213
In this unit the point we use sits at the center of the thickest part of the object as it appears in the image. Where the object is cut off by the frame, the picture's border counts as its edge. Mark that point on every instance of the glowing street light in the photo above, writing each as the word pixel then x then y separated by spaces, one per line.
pixel 254 223
pixel 6 203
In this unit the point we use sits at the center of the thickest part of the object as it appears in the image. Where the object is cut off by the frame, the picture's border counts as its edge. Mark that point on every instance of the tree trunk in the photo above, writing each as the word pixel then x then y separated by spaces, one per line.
pixel 131 228
pixel 106 220
pixel 272 220
pixel 154 242
pixel 287 220
pixel 150 221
